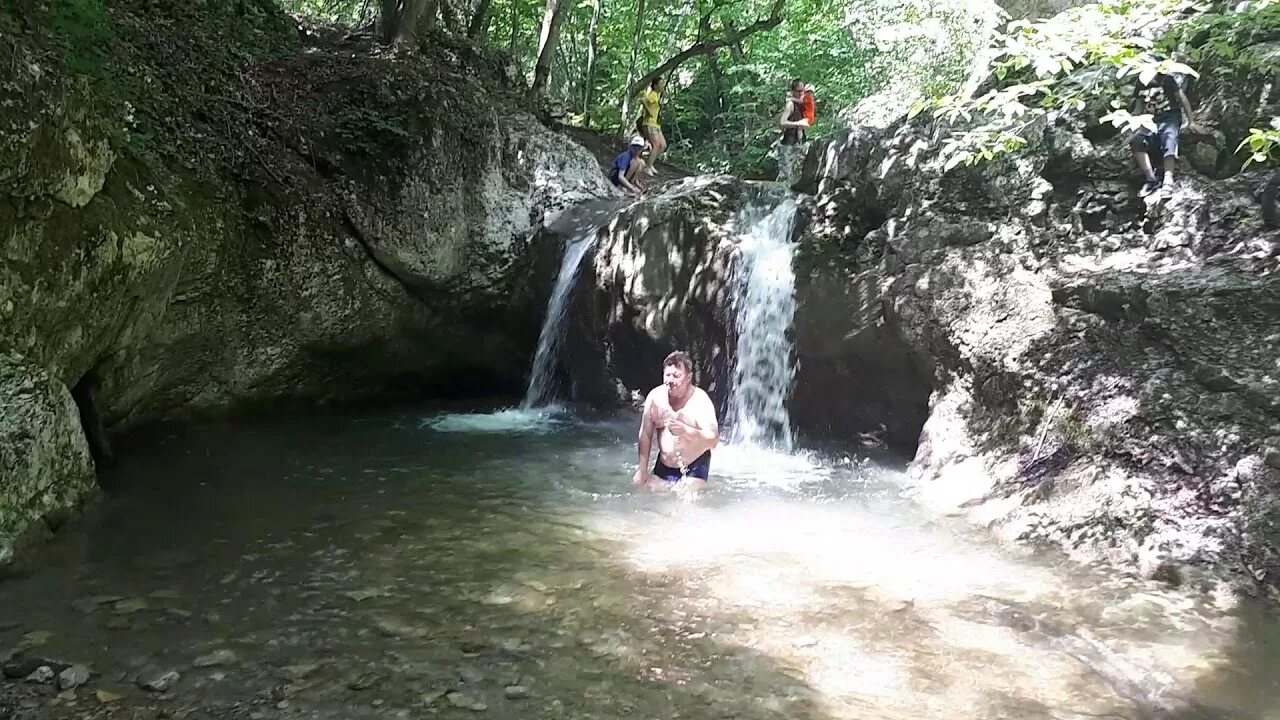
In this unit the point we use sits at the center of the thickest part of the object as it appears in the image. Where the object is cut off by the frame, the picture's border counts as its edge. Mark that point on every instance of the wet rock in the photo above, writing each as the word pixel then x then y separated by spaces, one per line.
pixel 515 692
pixel 470 675
pixel 364 681
pixel 35 638
pixel 73 677
pixel 118 623
pixel 22 667
pixel 105 697
pixel 301 672
pixel 41 675
pixel 158 680
pixel 130 605
pixel 365 594
pixel 1272 458
pixel 88 605
pixel 221 656
pixel 465 702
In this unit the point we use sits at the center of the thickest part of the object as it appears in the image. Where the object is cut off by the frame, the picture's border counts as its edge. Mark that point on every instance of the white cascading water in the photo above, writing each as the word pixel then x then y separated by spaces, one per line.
pixel 541 389
pixel 765 306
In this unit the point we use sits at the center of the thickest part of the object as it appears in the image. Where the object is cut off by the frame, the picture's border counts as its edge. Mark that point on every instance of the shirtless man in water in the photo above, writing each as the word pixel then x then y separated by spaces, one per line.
pixel 685 419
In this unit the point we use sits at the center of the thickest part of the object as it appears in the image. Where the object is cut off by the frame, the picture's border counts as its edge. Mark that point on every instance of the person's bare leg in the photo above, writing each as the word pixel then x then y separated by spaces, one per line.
pixel 658 143
pixel 1170 164
pixel 633 172
pixel 1144 163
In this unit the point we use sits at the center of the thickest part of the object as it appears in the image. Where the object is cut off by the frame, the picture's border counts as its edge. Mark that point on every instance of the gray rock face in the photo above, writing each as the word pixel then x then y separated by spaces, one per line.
pixel 340 273
pixel 1103 370
pixel 45 468
pixel 659 281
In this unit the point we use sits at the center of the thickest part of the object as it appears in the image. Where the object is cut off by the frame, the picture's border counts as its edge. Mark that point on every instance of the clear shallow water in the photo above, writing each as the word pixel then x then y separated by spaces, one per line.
pixel 361 566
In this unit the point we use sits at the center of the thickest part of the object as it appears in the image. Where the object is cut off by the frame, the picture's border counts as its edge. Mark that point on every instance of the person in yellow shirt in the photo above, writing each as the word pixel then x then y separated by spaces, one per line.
pixel 648 123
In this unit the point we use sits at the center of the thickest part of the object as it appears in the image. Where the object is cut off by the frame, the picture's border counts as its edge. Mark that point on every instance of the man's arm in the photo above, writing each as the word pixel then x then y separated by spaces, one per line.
pixel 645 442
pixel 1188 117
pixel 786 113
pixel 625 179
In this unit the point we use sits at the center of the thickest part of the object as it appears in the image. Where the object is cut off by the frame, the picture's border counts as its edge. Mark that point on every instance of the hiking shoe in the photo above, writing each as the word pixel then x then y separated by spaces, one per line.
pixel 1168 188
pixel 1149 187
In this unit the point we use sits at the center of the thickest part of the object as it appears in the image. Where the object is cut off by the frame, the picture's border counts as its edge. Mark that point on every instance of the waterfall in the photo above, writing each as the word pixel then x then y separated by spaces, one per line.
pixel 764 307
pixel 541 390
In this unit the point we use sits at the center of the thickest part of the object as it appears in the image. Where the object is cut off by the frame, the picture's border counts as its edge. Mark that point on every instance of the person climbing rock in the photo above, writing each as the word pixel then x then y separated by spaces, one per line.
pixel 796 118
pixel 627 166
pixel 1162 98
pixel 648 125
pixel 685 419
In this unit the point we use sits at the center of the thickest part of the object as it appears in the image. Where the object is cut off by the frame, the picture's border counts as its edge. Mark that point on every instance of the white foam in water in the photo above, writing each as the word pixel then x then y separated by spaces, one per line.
pixel 763 369
pixel 541 388
pixel 512 420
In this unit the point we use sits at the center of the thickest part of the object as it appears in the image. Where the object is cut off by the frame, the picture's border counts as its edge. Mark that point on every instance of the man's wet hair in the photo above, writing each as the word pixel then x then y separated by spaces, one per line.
pixel 654 82
pixel 679 359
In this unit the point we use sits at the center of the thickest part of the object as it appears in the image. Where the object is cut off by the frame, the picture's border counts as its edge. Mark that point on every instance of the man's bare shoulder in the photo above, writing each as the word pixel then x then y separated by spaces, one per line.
pixel 701 397
pixel 656 393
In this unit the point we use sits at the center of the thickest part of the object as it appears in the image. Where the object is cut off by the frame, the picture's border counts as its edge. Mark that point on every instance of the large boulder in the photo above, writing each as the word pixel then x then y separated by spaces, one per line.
pixel 272 225
pixel 362 239
pixel 45 468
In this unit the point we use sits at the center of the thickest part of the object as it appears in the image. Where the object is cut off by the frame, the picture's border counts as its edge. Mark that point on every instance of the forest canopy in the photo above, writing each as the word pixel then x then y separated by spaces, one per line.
pixel 726 63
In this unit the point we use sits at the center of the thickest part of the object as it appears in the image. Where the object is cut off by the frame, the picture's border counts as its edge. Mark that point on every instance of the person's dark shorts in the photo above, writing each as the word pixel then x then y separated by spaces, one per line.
pixel 700 468
pixel 1161 142
pixel 613 178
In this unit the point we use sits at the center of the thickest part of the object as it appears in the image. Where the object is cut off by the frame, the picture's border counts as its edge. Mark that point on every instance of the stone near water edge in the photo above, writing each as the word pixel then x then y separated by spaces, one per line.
pixel 470 675
pixel 19 668
pixel 41 675
pixel 88 605
pixel 35 638
pixel 465 702
pixel 106 697
pixel 129 606
pixel 221 656
pixel 365 594
pixel 73 677
pixel 158 680
pixel 118 623
pixel 364 681
pixel 515 692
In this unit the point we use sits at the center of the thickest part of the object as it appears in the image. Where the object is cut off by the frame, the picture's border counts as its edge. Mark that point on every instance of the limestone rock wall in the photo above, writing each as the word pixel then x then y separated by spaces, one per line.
pixel 328 228
pixel 45 469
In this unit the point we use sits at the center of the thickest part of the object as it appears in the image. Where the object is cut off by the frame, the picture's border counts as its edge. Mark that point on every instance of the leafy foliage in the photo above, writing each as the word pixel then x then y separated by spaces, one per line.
pixel 1086 60
pixel 1263 144
pixel 720 110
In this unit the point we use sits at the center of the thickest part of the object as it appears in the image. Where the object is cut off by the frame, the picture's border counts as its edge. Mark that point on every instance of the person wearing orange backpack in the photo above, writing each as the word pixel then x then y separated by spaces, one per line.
pixel 795 120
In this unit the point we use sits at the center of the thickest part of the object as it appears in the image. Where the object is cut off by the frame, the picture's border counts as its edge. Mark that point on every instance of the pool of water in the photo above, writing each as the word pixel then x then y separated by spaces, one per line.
pixel 501 565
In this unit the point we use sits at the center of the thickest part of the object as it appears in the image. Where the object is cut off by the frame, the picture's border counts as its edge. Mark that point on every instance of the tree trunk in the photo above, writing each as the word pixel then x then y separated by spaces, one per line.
pixel 717 87
pixel 479 26
pixel 552 19
pixel 629 92
pixel 389 20
pixel 593 37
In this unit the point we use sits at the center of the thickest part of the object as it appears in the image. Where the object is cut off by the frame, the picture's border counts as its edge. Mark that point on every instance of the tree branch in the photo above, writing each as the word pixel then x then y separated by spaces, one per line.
pixel 706 45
